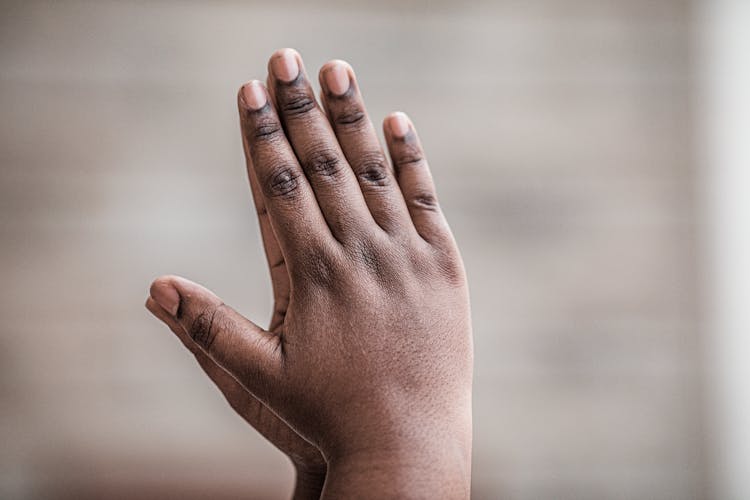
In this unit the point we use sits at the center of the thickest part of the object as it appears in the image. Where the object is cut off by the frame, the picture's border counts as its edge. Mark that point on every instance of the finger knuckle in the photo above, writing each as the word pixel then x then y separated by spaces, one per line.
pixel 282 181
pixel 373 171
pixel 318 270
pixel 450 267
pixel 294 104
pixel 409 154
pixel 266 130
pixel 350 116
pixel 324 162
pixel 424 200
pixel 436 260
pixel 366 253
pixel 203 327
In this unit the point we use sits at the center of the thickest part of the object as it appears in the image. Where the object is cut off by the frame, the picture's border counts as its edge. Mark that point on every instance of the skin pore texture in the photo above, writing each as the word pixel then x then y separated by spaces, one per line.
pixel 363 377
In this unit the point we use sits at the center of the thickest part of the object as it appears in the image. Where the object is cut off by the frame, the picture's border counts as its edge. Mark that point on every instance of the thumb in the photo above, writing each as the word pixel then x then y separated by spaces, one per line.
pixel 249 353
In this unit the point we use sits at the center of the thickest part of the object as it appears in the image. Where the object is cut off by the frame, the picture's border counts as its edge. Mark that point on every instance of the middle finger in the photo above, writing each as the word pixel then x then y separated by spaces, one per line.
pixel 310 134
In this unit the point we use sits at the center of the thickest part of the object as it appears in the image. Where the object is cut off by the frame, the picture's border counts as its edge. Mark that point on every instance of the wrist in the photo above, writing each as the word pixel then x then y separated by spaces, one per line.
pixel 427 456
pixel 435 470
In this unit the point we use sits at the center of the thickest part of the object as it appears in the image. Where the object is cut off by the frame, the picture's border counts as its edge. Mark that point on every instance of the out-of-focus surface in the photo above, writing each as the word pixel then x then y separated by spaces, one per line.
pixel 560 136
pixel 724 122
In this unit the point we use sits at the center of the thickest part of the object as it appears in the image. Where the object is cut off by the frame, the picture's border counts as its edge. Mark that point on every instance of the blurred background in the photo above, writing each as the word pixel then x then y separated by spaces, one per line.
pixel 591 156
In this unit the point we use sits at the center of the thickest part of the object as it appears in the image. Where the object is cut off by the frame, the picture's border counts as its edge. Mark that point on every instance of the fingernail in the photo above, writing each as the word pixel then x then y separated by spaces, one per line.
pixel 337 78
pixel 166 296
pixel 254 95
pixel 285 66
pixel 399 124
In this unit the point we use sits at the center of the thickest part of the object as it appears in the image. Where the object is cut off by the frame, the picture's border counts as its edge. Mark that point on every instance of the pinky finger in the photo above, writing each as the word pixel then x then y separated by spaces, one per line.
pixel 414 178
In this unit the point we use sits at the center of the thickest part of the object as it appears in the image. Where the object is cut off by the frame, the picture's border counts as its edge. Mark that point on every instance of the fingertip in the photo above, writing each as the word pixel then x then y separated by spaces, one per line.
pixel 397 124
pixel 158 311
pixel 164 293
pixel 173 325
pixel 252 95
pixel 151 305
pixel 283 51
pixel 334 63
pixel 285 64
pixel 336 77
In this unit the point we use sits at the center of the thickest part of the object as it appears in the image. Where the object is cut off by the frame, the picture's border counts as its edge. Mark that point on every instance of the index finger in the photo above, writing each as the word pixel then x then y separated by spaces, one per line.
pixel 293 211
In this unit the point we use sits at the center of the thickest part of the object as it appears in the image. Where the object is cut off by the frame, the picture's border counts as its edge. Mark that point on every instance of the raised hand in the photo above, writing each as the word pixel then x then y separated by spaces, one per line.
pixel 369 354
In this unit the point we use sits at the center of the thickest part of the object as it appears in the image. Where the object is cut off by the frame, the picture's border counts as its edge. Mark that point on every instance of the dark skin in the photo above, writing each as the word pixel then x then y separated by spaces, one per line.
pixel 363 377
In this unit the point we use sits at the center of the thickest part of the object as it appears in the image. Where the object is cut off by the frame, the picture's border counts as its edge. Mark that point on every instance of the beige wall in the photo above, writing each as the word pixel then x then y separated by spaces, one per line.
pixel 560 136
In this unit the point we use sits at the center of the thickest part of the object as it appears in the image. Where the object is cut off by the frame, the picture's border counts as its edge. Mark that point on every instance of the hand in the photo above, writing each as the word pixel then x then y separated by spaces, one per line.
pixel 369 356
